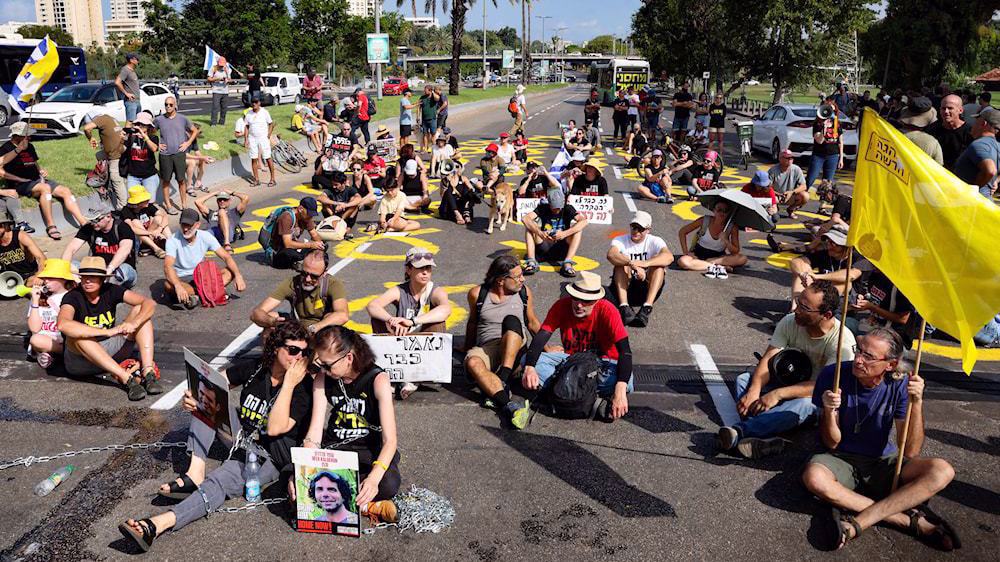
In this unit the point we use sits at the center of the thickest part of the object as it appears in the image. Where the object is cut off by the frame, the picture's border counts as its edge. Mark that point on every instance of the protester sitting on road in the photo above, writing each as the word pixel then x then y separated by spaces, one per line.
pixel 840 217
pixel 20 168
pixel 636 144
pixel 108 236
pixel 362 183
pixel 18 252
pixel 442 152
pixel 148 222
pixel 828 262
pixel 341 201
pixel 10 207
pixel 885 305
pixel 452 141
pixel 520 143
pixel 536 182
pixel 586 323
pixel 458 197
pixel 392 211
pixel 290 231
pixel 96 342
pixel 656 186
pixel 856 474
pixel 568 132
pixel 579 143
pixel 375 168
pixel 225 220
pixel 492 169
pixel 760 188
pixel 274 412
pixel 413 184
pixel 45 341
pixel 698 137
pixel 313 124
pixel 186 250
pixel 141 147
pixel 591 182
pixel 789 183
pixel 681 169
pixel 573 170
pixel 640 260
pixel 358 396
pixel 501 317
pixel 770 405
pixel 507 155
pixel 553 232
pixel 316 299
pixel 705 176
pixel 717 248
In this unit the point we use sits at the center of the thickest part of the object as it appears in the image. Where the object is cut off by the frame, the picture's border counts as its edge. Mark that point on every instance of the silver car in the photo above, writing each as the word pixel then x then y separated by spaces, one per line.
pixel 790 126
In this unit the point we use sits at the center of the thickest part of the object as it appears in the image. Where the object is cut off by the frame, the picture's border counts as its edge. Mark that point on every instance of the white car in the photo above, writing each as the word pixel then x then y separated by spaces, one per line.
pixel 286 87
pixel 790 126
pixel 61 115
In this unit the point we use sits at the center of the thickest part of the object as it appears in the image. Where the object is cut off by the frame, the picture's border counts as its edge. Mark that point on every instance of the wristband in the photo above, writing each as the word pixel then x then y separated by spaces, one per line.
pixel 381 464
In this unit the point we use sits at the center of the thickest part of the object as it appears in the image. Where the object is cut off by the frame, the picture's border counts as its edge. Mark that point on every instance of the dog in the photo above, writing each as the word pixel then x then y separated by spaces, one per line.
pixel 501 207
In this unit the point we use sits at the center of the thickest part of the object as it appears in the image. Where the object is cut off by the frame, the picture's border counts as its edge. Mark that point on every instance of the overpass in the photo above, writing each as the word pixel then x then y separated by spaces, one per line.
pixel 497 58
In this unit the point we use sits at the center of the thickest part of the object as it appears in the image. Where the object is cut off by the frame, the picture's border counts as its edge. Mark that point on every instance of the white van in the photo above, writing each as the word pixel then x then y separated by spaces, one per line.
pixel 286 87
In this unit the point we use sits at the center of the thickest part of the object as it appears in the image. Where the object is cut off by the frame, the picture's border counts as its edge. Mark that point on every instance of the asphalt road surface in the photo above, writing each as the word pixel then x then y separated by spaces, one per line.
pixel 648 487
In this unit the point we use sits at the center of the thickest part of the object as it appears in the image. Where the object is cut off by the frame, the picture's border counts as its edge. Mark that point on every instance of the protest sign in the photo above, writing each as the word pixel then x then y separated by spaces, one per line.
pixel 211 390
pixel 386 149
pixel 413 358
pixel 597 209
pixel 326 487
pixel 525 205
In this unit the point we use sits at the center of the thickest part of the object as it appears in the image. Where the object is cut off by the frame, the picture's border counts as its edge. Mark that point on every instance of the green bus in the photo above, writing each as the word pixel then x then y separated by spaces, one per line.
pixel 618 74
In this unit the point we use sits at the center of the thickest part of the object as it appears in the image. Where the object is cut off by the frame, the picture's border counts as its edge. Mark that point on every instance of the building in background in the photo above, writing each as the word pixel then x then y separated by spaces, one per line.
pixel 83 19
pixel 9 30
pixel 127 16
pixel 424 22
pixel 361 8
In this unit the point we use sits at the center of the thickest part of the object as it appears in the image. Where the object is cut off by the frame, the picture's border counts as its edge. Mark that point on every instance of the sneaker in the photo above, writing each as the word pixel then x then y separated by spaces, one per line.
pixel 406 390
pixel 712 272
pixel 727 438
pixel 628 314
pixel 26 227
pixel 520 414
pixel 661 199
pixel 773 244
pixel 642 318
pixel 44 360
pixel 135 390
pixel 383 511
pixel 754 448
pixel 150 383
pixel 721 273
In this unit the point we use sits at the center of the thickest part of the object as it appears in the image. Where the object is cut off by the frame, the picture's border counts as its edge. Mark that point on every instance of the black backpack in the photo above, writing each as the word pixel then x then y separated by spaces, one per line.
pixel 372 108
pixel 573 392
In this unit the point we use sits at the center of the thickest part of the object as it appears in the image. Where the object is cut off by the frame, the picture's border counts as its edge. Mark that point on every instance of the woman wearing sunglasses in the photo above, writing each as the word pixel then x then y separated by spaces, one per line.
pixel 275 375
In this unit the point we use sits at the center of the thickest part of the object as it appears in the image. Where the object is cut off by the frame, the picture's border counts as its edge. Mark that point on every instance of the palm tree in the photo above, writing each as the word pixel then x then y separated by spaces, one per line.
pixel 430 7
pixel 413 5
pixel 459 10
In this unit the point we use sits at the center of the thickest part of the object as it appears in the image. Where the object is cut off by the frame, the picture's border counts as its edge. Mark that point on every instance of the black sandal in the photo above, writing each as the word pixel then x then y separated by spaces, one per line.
pixel 182 491
pixel 943 537
pixel 841 537
pixel 143 540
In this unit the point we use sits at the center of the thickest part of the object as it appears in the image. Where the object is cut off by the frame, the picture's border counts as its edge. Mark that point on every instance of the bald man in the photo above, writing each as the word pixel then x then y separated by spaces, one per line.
pixel 951 130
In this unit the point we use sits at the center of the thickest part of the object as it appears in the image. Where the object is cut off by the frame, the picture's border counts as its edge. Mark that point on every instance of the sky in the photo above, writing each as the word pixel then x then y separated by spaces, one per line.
pixel 583 18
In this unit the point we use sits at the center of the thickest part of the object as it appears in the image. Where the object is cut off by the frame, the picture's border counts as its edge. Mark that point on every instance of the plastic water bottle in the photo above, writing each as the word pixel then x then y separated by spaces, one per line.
pixel 46 486
pixel 253 478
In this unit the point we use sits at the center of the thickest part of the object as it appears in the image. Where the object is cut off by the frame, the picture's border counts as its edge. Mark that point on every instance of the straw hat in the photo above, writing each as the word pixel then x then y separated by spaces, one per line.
pixel 57 269
pixel 588 288
pixel 93 265
pixel 591 164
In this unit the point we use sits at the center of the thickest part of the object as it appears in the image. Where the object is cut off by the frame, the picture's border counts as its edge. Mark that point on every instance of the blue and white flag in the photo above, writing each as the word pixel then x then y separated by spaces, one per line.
pixel 211 58
pixel 39 68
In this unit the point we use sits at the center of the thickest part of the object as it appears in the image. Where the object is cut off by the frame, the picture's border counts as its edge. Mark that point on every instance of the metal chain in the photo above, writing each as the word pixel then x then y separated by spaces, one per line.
pixel 251 506
pixel 30 460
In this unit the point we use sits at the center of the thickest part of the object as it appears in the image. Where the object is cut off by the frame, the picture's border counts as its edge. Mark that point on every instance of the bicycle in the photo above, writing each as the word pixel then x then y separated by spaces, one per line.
pixel 288 157
pixel 744 130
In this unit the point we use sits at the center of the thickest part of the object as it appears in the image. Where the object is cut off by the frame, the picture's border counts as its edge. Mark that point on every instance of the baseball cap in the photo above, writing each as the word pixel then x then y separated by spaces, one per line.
pixel 837 234
pixel 505 135
pixel 98 212
pixel 556 198
pixel 419 257
pixel 492 147
pixel 787 154
pixel 143 119
pixel 446 130
pixel 643 219
pixel 223 195
pixel 20 129
pixel 411 168
pixel 761 179
pixel 310 205
pixel 189 217
pixel 657 152
pixel 990 115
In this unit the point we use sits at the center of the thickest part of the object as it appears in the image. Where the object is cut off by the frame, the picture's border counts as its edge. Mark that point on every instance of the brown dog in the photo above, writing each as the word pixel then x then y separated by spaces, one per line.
pixel 501 207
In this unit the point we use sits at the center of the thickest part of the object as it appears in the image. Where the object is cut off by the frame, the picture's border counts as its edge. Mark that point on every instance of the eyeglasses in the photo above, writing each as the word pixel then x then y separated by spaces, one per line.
pixel 294 350
pixel 519 277
pixel 307 275
pixel 329 366
pixel 865 356
pixel 801 306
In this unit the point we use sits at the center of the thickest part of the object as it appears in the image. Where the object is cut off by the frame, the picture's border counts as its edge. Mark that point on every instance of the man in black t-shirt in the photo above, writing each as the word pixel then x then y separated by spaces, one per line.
pixel 592 110
pixel 111 238
pixel 683 104
pixel 536 182
pixel 952 132
pixel 97 341
pixel 340 199
pixel 255 82
pixel 553 232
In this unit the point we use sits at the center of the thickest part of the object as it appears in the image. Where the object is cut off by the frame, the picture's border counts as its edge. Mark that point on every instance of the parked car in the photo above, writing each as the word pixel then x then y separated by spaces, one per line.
pixel 790 126
pixel 61 115
pixel 570 78
pixel 394 86
pixel 286 87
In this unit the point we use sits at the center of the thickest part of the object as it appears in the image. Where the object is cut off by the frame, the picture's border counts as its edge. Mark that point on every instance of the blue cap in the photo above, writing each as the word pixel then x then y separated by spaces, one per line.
pixel 760 178
pixel 310 205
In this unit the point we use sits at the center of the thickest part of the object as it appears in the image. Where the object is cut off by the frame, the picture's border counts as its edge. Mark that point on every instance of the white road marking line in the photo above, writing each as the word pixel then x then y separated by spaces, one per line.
pixel 238 345
pixel 618 172
pixel 717 388
pixel 629 202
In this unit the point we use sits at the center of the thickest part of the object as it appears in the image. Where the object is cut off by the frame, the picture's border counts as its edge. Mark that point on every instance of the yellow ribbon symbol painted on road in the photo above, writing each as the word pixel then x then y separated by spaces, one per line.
pixel 458 313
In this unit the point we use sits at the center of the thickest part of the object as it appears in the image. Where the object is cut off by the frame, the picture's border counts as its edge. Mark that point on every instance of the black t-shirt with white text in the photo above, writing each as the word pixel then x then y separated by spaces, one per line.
pixel 96 315
pixel 584 186
pixel 355 421
pixel 831 137
pixel 536 188
pixel 141 160
pixel 256 399
pixel 105 244
pixel 24 165
pixel 144 215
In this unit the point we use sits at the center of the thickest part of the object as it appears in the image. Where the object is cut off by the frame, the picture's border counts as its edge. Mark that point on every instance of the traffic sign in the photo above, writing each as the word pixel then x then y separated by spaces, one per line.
pixel 378 48
pixel 705 75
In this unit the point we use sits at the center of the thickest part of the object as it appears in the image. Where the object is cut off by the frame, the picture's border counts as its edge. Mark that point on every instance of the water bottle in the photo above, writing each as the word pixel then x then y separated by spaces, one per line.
pixel 253 478
pixel 46 486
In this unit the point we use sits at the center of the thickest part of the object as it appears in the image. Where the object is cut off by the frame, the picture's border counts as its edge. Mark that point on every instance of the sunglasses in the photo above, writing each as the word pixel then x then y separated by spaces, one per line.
pixel 294 350
pixel 307 275
pixel 635 226
pixel 327 367
pixel 170 105
pixel 416 257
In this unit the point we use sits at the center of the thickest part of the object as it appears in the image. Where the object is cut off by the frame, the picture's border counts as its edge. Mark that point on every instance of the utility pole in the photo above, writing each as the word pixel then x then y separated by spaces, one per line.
pixel 485 71
pixel 525 45
pixel 378 66
pixel 561 49
pixel 543 18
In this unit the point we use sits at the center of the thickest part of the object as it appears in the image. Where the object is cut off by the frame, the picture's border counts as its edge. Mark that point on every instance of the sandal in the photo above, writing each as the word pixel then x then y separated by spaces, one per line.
pixel 842 537
pixel 943 537
pixel 53 232
pixel 567 269
pixel 160 253
pixel 272 183
pixel 254 183
pixel 143 540
pixel 180 491
pixel 530 267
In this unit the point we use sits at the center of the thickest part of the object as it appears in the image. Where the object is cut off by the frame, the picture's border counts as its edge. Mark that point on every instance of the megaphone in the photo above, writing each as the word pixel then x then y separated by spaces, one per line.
pixel 11 283
pixel 450 166
pixel 826 111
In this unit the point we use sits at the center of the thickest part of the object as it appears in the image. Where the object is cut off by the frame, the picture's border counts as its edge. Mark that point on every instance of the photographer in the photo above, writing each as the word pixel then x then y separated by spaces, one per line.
pixel 828 144
pixel 141 147
pixel 536 182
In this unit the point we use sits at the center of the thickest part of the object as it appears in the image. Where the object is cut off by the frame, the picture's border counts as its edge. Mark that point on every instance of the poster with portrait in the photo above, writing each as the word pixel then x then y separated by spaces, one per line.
pixel 326 486
pixel 211 389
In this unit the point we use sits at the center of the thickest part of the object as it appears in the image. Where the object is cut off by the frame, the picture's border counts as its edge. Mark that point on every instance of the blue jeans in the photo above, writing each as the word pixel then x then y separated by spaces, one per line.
pixel 985 192
pixel 783 417
pixel 132 108
pixel 548 361
pixel 828 165
pixel 990 334
pixel 152 183
pixel 125 275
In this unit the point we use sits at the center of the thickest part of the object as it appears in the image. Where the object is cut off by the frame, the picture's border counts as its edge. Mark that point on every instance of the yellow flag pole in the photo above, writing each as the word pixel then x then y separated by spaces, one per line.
pixel 909 408
pixel 843 317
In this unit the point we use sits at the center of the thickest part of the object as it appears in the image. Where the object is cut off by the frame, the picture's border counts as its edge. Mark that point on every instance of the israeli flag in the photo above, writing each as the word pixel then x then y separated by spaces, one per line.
pixel 37 71
pixel 211 58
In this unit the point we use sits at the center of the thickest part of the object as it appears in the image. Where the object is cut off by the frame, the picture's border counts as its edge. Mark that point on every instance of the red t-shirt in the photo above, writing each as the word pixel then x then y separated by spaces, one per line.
pixel 761 192
pixel 597 332
pixel 374 166
pixel 363 107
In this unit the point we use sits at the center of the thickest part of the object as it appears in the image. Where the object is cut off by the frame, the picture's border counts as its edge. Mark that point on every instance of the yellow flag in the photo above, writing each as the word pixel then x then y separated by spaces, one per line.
pixel 932 234
pixel 37 71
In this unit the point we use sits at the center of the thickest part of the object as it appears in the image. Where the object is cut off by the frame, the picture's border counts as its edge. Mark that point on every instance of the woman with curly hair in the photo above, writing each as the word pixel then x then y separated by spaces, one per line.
pixel 274 375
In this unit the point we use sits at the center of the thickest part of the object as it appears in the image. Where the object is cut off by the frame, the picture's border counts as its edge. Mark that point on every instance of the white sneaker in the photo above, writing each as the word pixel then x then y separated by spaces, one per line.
pixel 712 272
pixel 721 273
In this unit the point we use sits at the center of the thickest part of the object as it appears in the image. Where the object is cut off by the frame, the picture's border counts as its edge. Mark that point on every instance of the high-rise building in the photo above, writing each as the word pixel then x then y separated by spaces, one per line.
pixel 361 8
pixel 127 10
pixel 83 19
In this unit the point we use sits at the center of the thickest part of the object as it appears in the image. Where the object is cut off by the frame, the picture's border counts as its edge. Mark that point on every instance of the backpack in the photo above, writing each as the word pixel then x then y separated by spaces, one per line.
pixel 573 392
pixel 266 231
pixel 372 108
pixel 512 106
pixel 208 283
pixel 484 292
pixel 98 177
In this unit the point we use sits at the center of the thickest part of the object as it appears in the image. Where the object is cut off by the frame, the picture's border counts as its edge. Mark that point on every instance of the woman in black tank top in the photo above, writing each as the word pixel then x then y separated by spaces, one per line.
pixel 358 396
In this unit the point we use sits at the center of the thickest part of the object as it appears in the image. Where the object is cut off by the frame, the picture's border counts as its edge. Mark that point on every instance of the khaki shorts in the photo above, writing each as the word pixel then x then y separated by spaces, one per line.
pixel 491 354
pixel 870 476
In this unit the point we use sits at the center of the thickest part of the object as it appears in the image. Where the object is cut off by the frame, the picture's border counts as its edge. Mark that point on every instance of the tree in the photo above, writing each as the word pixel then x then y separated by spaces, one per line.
pixel 40 31
pixel 319 25
pixel 459 11
pixel 413 5
pixel 508 36
pixel 603 43
pixel 163 25
pixel 240 30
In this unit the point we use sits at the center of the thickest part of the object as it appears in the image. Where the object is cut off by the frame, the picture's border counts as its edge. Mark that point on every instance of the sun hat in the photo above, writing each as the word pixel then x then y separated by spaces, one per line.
pixel 137 194
pixel 837 234
pixel 591 164
pixel 93 265
pixel 761 179
pixel 20 129
pixel 143 119
pixel 419 257
pixel 587 288
pixel 56 268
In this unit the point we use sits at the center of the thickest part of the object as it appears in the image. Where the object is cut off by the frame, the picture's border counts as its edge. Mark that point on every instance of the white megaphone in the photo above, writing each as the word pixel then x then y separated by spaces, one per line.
pixel 12 285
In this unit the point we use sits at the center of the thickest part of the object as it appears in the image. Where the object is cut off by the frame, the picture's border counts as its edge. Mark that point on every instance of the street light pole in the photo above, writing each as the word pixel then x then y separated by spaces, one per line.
pixel 562 66
pixel 484 45
pixel 543 18
pixel 378 66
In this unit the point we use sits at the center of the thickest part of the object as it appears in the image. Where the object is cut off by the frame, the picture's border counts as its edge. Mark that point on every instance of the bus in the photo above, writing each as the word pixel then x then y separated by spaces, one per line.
pixel 618 74
pixel 72 69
